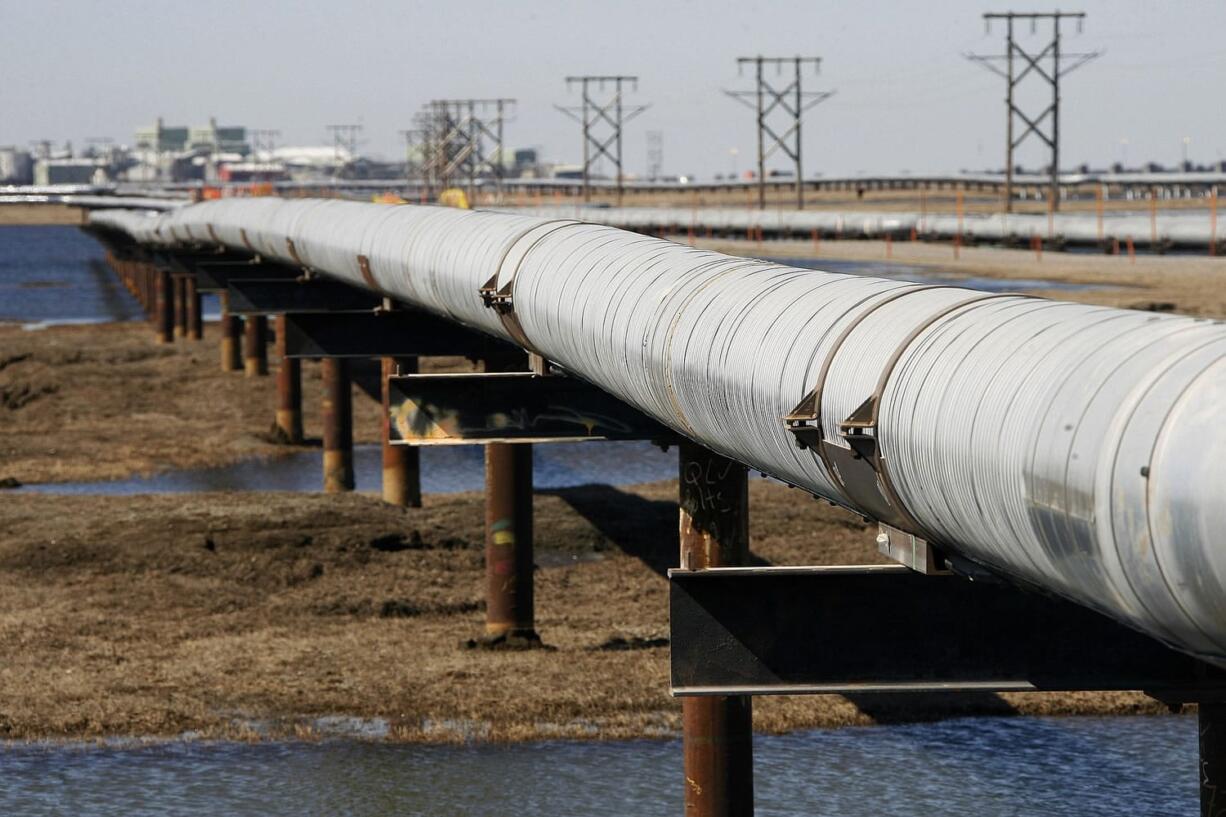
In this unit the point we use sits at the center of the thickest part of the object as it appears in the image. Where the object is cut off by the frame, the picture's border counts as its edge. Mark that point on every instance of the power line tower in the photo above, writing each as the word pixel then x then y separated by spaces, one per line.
pixel 345 136
pixel 612 112
pixel 793 100
pixel 1033 62
pixel 464 140
pixel 655 154
pixel 264 139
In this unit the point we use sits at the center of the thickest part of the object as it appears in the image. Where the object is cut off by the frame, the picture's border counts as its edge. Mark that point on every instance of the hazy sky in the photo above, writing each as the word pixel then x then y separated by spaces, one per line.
pixel 906 99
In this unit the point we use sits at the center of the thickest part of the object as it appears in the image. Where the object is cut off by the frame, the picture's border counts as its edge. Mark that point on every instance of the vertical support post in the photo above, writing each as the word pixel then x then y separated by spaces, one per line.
pixel 717 731
pixel 617 101
pixel 231 338
pixel 164 314
pixel 338 426
pixel 255 343
pixel 1055 114
pixel 761 145
pixel 587 147
pixel 1212 719
pixel 195 316
pixel 289 390
pixel 1098 210
pixel 1009 114
pixel 1213 220
pixel 509 605
pixel 800 184
pixel 179 292
pixel 401 463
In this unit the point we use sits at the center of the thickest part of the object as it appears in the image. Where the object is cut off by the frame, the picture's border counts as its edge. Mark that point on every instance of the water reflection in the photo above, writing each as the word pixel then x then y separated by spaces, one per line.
pixel 978 767
pixel 444 469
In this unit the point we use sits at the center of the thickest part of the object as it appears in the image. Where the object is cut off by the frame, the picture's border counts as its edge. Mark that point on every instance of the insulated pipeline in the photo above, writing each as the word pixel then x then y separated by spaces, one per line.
pixel 1073 447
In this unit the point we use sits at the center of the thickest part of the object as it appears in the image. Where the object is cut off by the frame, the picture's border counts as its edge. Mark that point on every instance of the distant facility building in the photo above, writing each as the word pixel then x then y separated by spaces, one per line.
pixel 70 171
pixel 16 166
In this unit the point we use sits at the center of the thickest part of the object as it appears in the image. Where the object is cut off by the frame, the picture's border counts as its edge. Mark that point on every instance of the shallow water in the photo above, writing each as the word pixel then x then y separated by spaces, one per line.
pixel 976 767
pixel 53 275
pixel 927 275
pixel 444 469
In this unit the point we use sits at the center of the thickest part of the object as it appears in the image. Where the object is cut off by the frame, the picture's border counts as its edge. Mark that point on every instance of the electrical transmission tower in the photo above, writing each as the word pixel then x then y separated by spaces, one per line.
pixel 463 139
pixel 655 154
pixel 1033 64
pixel 345 136
pixel 264 139
pixel 613 113
pixel 792 100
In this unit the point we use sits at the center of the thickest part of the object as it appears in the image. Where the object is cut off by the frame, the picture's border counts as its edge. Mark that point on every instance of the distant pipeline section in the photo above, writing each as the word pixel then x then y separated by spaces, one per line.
pixel 1073 448
pixel 1188 231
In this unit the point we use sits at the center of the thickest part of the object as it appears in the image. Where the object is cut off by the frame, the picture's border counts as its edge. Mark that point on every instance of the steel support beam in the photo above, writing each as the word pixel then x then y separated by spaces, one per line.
pixel 164 312
pixel 231 338
pixel 288 423
pixel 401 463
pixel 179 291
pixel 255 344
pixel 1212 718
pixel 462 409
pixel 398 334
pixel 785 630
pixel 509 607
pixel 195 310
pixel 717 731
pixel 272 297
pixel 338 426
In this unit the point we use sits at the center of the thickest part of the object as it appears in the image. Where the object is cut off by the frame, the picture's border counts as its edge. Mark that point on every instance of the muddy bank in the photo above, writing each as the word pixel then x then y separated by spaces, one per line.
pixel 104 401
pixel 204 614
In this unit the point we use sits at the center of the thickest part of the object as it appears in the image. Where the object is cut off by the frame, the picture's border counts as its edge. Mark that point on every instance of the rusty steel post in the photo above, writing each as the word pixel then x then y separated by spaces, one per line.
pixel 231 338
pixel 717 732
pixel 509 612
pixel 338 426
pixel 195 315
pixel 255 344
pixel 401 463
pixel 164 314
pixel 289 390
pixel 179 290
pixel 1212 719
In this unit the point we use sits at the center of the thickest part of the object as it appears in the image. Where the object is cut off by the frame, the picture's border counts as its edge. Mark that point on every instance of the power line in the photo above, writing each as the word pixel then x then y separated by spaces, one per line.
pixel 463 139
pixel 607 110
pixel 793 100
pixel 1033 62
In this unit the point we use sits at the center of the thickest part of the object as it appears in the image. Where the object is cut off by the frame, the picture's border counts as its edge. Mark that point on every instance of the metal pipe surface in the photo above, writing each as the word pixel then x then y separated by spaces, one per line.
pixel 1073 447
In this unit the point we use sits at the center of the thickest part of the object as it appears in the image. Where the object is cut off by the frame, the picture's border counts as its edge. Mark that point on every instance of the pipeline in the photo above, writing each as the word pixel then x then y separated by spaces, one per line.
pixel 1191 231
pixel 1074 448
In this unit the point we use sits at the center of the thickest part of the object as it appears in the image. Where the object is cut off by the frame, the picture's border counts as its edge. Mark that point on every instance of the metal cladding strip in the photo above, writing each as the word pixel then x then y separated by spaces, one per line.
pixel 1073 447
pixel 1195 229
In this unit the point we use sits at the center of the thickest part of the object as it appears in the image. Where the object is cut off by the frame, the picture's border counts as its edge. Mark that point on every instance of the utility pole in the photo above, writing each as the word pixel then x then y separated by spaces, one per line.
pixel 1033 63
pixel 793 100
pixel 613 113
pixel 345 136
